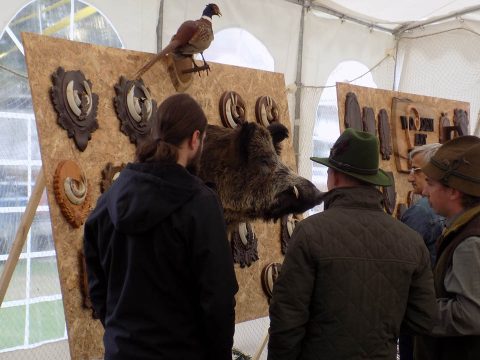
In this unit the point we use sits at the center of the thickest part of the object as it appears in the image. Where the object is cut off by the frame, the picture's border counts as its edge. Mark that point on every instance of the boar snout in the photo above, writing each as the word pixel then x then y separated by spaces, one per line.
pixel 294 199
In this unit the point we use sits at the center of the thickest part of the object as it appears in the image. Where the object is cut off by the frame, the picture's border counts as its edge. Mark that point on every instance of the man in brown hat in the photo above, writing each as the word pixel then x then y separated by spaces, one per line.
pixel 353 275
pixel 453 190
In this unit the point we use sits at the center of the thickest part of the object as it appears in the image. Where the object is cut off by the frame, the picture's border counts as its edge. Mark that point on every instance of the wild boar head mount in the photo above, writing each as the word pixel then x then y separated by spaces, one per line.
pixel 252 182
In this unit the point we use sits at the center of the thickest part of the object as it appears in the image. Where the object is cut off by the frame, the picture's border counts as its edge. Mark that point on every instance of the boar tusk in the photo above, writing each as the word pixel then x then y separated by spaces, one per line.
pixel 271 273
pixel 291 223
pixel 71 99
pixel 115 177
pixel 89 96
pixel 131 105
pixel 148 107
pixel 148 102
pixel 75 190
pixel 231 121
pixel 136 105
pixel 264 116
pixel 295 190
pixel 243 232
pixel 235 111
pixel 76 98
pixel 269 276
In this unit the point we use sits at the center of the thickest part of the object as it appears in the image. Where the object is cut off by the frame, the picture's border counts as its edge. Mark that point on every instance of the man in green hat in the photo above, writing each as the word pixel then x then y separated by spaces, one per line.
pixel 353 275
pixel 453 190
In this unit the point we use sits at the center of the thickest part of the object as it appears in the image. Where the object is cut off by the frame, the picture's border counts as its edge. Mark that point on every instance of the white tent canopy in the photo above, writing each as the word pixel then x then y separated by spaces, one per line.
pixel 394 14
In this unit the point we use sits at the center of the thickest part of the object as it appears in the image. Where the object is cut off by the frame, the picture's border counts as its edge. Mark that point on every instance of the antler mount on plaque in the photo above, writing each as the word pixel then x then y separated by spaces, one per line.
pixel 75 104
pixel 266 110
pixel 110 173
pixel 135 108
pixel 72 192
pixel 244 245
pixel 232 109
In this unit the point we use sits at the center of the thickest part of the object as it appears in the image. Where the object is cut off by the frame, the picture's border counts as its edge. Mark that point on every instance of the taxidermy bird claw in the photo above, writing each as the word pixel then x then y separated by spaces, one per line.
pixel 198 69
pixel 192 37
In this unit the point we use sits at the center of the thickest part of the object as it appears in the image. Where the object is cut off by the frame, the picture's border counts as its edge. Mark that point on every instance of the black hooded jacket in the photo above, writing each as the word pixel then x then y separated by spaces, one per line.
pixel 159 266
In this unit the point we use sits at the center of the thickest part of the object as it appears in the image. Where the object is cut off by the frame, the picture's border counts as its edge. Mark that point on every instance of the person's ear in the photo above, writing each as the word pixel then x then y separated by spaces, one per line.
pixel 454 194
pixel 195 140
pixel 337 178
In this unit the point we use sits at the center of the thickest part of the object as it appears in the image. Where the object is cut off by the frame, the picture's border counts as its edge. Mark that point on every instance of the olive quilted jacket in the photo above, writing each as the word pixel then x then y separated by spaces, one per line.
pixel 353 276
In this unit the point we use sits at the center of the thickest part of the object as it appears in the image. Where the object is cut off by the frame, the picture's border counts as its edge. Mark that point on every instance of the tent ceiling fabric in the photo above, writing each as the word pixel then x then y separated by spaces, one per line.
pixel 401 12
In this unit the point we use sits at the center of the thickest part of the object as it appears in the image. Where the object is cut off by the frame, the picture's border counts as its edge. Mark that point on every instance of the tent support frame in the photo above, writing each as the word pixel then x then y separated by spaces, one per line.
pixel 298 83
pixel 396 31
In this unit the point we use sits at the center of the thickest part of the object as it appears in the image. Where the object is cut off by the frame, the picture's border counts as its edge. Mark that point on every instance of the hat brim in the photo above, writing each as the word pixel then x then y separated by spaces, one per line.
pixel 380 178
pixel 455 182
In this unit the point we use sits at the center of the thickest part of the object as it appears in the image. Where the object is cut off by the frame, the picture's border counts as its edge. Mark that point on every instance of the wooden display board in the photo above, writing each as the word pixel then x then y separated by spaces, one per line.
pixel 103 66
pixel 399 104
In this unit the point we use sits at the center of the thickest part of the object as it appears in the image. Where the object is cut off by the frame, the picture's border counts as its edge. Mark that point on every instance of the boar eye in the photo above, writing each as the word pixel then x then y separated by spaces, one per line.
pixel 266 162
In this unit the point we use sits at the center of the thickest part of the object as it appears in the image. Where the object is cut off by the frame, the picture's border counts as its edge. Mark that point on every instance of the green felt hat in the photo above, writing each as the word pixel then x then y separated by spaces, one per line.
pixel 355 153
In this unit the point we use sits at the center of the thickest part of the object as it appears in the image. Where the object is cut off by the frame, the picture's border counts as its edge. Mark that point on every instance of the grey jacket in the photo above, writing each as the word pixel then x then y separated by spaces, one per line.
pixel 351 278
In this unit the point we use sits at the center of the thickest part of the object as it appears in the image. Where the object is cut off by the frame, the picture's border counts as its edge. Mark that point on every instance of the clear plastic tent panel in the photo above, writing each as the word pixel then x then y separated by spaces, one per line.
pixel 54 17
pixel 33 307
pixel 92 27
pixel 14 93
pixel 13 137
pixel 326 129
pixel 26 20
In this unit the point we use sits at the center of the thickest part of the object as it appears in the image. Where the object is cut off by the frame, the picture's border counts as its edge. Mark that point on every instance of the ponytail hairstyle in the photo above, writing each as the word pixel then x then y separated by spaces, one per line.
pixel 178 117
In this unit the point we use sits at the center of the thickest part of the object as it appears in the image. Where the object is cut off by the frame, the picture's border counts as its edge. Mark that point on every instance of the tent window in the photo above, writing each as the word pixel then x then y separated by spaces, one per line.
pixel 326 129
pixel 236 46
pixel 32 307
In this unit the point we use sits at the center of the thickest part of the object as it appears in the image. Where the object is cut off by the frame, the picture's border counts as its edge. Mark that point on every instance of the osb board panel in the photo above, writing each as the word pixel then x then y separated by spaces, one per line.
pixel 378 99
pixel 103 67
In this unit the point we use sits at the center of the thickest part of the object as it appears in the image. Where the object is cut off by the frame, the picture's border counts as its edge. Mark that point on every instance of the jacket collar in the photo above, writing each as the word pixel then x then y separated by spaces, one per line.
pixel 460 220
pixel 355 197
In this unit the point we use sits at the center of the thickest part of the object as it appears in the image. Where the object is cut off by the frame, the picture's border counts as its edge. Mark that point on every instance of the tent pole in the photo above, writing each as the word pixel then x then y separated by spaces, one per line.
pixel 298 83
pixel 395 69
pixel 21 235
pixel 160 27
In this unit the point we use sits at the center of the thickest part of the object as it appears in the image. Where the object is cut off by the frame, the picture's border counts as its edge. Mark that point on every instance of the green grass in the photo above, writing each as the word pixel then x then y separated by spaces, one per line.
pixel 16 288
pixel 47 322
pixel 44 279
pixel 13 326
pixel 46 319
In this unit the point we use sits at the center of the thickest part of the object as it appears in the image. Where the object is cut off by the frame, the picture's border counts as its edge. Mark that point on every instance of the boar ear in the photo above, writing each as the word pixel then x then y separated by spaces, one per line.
pixel 247 131
pixel 279 133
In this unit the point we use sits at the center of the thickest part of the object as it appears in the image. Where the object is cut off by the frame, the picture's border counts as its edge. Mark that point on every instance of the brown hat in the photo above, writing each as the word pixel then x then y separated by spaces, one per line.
pixel 456 164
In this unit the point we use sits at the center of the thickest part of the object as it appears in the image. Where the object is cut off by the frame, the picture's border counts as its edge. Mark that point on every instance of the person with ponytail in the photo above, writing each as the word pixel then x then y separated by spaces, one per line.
pixel 160 270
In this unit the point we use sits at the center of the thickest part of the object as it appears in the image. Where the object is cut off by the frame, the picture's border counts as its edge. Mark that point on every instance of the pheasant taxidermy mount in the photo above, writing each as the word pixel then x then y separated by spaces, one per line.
pixel 192 37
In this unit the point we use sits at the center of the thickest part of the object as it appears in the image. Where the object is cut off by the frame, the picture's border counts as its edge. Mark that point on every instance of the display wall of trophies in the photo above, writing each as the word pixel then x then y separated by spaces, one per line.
pixel 413 124
pixel 76 105
pixel 415 121
pixel 232 110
